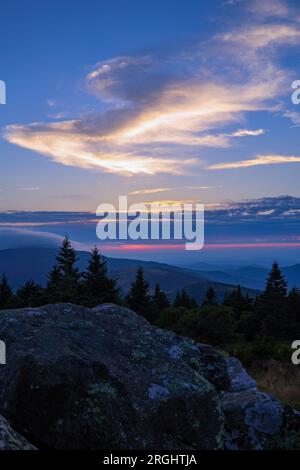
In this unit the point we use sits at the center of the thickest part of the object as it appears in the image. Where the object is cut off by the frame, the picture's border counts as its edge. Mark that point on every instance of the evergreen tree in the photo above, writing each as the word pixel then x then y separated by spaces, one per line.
pixel 160 298
pixel 54 285
pixel 177 300
pixel 30 295
pixel 276 284
pixel 292 319
pixel 63 281
pixel 238 302
pixel 210 297
pixel 97 286
pixel 271 305
pixel 182 299
pixel 138 298
pixel 6 294
pixel 66 260
pixel 159 302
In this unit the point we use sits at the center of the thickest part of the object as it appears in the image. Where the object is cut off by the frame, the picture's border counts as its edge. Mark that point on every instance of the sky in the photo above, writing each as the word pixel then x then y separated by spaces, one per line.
pixel 187 101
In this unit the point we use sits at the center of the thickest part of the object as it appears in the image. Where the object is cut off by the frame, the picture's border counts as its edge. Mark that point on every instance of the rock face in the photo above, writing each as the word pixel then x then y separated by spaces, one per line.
pixel 10 439
pixel 79 378
pixel 255 420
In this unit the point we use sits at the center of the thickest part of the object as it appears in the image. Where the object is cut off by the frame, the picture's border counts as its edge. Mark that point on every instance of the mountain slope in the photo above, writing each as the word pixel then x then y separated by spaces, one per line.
pixel 23 264
pixel 253 277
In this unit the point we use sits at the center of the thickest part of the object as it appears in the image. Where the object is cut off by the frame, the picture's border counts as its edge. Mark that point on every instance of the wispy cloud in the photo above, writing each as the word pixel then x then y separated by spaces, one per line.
pixel 150 191
pixel 157 107
pixel 247 132
pixel 29 188
pixel 261 36
pixel 269 8
pixel 162 190
pixel 259 160
pixel 294 117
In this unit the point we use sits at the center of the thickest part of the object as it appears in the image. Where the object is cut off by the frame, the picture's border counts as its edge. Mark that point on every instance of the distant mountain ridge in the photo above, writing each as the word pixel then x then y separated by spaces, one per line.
pixel 33 263
pixel 253 277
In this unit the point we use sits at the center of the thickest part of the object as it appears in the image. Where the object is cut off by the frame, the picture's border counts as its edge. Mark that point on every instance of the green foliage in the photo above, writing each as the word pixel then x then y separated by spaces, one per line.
pixel 271 306
pixel 6 294
pixel 30 295
pixel 238 302
pixel 138 298
pixel 261 348
pixel 210 297
pixel 216 325
pixel 250 330
pixel 184 300
pixel 159 302
pixel 212 324
pixel 97 287
pixel 63 281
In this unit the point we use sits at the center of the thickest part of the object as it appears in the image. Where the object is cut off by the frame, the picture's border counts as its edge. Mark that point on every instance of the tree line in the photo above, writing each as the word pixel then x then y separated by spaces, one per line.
pixel 65 283
pixel 273 314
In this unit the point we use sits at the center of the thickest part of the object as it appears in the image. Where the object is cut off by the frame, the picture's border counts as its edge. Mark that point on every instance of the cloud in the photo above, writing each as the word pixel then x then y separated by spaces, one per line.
pixel 30 188
pixel 269 8
pixel 259 160
pixel 150 191
pixel 154 108
pixel 256 210
pixel 294 117
pixel 261 36
pixel 247 133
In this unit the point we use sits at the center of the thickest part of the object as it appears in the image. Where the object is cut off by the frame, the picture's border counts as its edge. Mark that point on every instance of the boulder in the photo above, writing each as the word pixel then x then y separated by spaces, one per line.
pixel 104 378
pixel 256 420
pixel 10 439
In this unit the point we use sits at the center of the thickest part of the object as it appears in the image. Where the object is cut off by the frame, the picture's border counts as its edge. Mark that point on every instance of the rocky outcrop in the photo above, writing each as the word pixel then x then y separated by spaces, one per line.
pixel 256 420
pixel 79 378
pixel 10 439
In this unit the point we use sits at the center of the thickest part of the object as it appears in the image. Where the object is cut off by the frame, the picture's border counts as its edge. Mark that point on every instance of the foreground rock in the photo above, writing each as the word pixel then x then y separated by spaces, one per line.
pixel 10 439
pixel 255 420
pixel 104 378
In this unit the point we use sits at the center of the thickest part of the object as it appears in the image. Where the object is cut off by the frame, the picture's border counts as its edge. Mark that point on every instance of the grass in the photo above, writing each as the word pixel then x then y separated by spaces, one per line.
pixel 280 379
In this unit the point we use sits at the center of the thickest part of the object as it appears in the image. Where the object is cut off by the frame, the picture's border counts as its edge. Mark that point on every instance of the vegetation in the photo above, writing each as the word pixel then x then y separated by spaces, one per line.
pixel 250 326
pixel 257 331
pixel 251 329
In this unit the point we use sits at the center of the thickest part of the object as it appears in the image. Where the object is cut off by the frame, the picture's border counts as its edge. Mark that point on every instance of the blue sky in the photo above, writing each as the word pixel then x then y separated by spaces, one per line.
pixel 185 101
pixel 147 95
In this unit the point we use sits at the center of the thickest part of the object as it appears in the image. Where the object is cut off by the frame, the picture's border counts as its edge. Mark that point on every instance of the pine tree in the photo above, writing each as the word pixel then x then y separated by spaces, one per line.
pixel 177 300
pixel 239 302
pixel 292 320
pixel 97 286
pixel 138 298
pixel 276 284
pixel 6 294
pixel 210 297
pixel 30 295
pixel 272 304
pixel 63 281
pixel 184 300
pixel 160 298
pixel 54 285
pixel 159 302
pixel 66 260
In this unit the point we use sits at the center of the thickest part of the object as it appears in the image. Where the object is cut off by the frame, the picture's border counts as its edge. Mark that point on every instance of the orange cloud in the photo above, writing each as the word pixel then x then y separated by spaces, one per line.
pixel 259 160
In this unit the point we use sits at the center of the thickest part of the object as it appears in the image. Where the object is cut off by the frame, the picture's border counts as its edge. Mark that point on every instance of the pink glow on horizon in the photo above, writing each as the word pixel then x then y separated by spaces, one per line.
pixel 216 246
